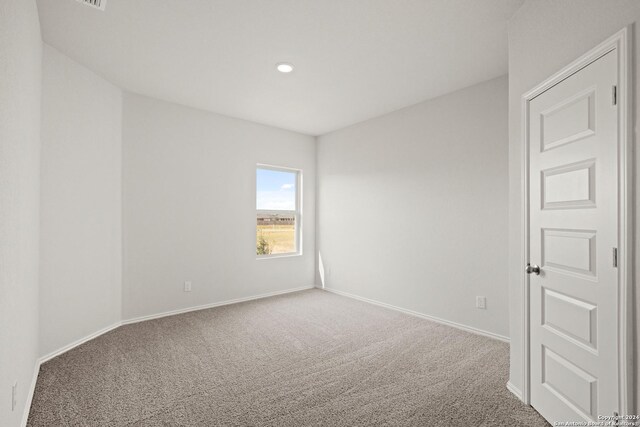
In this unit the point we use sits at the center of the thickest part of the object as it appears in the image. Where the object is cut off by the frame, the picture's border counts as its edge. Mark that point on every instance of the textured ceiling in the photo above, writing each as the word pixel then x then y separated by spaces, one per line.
pixel 354 59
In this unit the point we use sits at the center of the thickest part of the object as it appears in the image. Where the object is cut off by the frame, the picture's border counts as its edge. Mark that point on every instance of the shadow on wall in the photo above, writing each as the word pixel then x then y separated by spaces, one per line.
pixel 321 269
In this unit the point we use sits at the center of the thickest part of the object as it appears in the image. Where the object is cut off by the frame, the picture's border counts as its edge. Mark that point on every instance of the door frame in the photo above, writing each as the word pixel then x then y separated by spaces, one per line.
pixel 619 41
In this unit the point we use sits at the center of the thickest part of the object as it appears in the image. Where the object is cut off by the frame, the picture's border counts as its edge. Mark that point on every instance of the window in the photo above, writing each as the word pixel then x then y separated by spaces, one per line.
pixel 277 211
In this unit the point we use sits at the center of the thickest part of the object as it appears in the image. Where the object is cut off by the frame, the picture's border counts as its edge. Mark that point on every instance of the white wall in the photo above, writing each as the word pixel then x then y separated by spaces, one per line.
pixel 80 242
pixel 412 207
pixel 189 207
pixel 545 36
pixel 20 79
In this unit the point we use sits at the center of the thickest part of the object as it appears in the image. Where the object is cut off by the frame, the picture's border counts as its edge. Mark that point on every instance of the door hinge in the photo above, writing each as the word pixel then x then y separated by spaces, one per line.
pixel 615 257
pixel 614 95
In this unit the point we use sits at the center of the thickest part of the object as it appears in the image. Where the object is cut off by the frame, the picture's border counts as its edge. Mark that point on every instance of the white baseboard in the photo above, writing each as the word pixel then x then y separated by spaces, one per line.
pixel 424 316
pixel 55 353
pixel 515 390
pixel 115 325
pixel 32 390
pixel 96 334
pixel 76 343
pixel 214 304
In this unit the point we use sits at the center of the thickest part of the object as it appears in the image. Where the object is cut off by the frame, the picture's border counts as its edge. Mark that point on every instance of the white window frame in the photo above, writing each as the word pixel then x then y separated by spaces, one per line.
pixel 297 213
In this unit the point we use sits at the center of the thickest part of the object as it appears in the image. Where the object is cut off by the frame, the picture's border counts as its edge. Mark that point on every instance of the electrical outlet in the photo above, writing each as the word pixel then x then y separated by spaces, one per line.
pixel 187 286
pixel 14 395
pixel 481 302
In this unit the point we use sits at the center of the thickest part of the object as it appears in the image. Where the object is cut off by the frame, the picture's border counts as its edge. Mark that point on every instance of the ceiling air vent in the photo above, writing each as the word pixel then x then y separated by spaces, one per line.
pixel 97 4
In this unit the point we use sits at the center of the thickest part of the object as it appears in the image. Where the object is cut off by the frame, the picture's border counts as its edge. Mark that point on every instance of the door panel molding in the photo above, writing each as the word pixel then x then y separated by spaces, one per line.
pixel 569 379
pixel 578 177
pixel 552 135
pixel 581 328
pixel 619 42
pixel 559 247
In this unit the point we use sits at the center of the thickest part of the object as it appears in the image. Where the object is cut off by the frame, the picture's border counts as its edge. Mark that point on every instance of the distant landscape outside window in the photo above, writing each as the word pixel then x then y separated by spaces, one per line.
pixel 276 206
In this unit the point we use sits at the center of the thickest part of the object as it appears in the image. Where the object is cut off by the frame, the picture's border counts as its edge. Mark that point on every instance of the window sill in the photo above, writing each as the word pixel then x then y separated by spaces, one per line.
pixel 290 255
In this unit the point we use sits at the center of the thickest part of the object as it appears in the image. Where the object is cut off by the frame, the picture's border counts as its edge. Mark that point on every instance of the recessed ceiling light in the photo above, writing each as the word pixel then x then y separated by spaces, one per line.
pixel 284 67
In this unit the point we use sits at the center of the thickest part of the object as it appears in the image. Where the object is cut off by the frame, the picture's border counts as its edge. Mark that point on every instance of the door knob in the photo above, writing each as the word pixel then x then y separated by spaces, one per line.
pixel 532 269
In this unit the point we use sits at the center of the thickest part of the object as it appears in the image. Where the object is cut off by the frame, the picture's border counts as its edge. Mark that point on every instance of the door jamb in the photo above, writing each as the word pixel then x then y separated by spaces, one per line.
pixel 619 41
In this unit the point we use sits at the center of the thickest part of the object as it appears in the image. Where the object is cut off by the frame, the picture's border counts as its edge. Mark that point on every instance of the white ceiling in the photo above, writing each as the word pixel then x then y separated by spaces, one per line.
pixel 354 59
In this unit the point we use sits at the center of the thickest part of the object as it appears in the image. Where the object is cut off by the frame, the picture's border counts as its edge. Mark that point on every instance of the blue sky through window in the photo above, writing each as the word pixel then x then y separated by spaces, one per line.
pixel 276 190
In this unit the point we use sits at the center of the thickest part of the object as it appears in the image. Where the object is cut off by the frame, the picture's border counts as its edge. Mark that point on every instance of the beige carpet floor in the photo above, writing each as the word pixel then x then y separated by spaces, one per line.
pixel 309 358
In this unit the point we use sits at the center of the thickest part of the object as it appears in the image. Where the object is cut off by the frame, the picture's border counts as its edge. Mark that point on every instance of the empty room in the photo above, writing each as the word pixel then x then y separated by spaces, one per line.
pixel 319 213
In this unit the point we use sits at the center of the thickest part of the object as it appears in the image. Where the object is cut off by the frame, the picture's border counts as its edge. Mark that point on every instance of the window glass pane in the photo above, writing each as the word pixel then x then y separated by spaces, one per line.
pixel 276 190
pixel 275 234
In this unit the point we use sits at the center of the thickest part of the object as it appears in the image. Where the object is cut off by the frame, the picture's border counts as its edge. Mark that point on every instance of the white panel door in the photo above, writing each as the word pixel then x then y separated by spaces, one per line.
pixel 573 221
